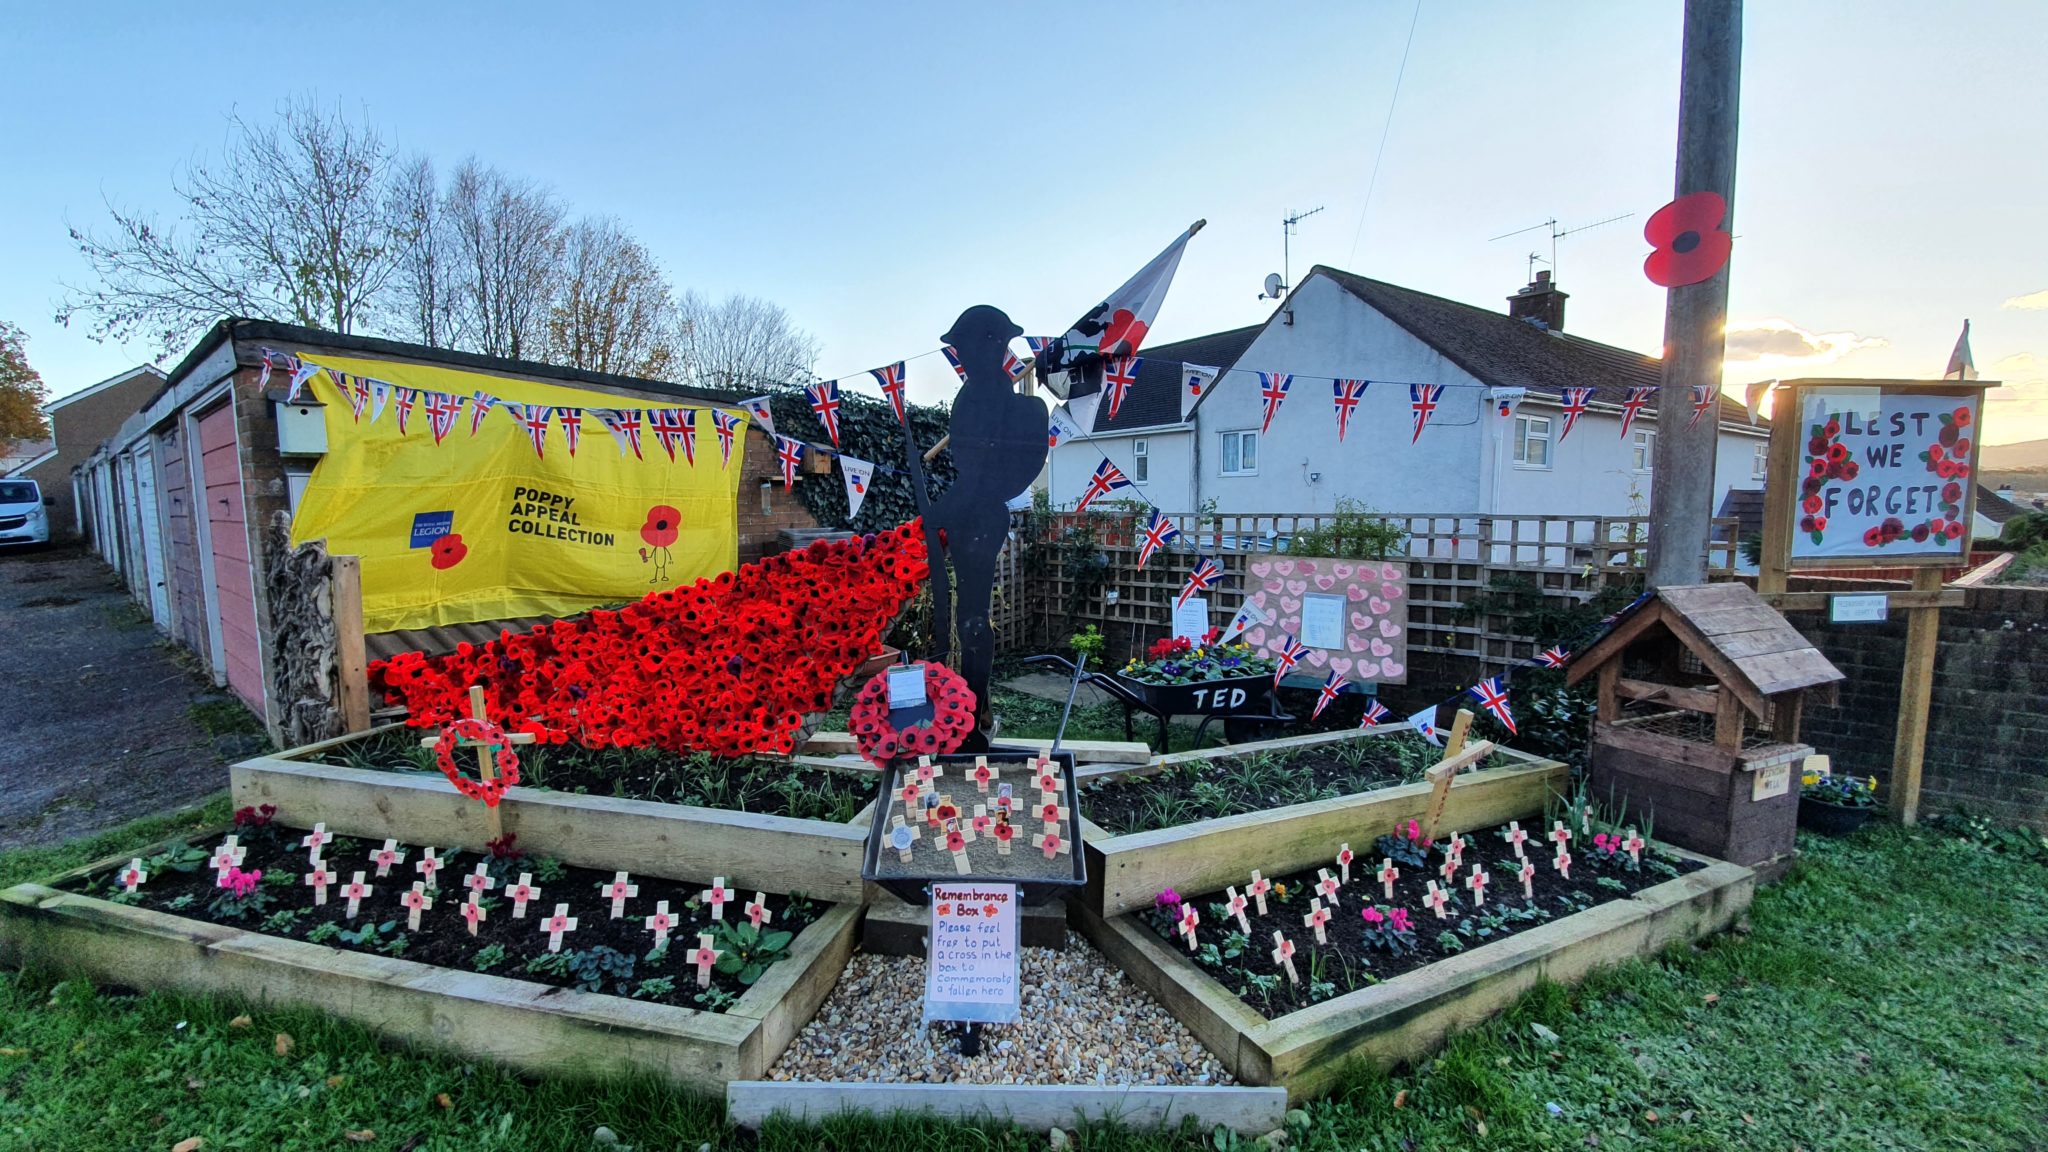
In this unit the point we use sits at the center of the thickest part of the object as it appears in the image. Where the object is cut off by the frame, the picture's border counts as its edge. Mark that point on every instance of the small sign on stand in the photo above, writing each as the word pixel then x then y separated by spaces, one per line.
pixel 971 974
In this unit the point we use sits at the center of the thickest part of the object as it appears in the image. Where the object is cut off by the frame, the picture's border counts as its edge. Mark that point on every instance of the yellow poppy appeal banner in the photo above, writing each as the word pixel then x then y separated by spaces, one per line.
pixel 460 514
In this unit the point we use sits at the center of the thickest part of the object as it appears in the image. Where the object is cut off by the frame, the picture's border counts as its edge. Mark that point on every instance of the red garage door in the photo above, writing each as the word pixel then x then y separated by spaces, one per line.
pixel 228 534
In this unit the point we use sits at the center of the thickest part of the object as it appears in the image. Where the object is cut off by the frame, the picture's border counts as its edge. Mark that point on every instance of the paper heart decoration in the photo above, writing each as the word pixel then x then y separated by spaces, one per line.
pixel 1379 607
pixel 1391 670
pixel 1389 629
pixel 1381 648
pixel 1262 568
pixel 1256 637
pixel 1360 620
pixel 1356 593
pixel 1355 641
pixel 1274 585
pixel 1290 604
pixel 1389 572
pixel 1391 591
pixel 1325 582
pixel 1297 586
pixel 1318 657
pixel 1284 567
pixel 1367 669
pixel 1342 571
pixel 1291 625
pixel 1341 665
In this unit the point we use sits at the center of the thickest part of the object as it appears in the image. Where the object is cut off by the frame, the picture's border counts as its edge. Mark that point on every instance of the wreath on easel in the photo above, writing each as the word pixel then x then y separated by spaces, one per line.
pixel 476 731
pixel 880 741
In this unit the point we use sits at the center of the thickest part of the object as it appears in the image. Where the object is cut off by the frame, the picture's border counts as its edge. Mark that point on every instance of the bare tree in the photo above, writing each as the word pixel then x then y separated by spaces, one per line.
pixel 508 243
pixel 290 223
pixel 613 311
pixel 743 342
pixel 423 301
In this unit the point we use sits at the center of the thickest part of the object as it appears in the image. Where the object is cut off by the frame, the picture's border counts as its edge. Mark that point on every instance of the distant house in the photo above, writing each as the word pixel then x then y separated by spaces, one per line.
pixel 78 423
pixel 1993 510
pixel 1469 460
pixel 16 455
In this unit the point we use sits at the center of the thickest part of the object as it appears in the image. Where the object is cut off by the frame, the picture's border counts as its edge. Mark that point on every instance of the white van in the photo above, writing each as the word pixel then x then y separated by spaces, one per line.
pixel 22 516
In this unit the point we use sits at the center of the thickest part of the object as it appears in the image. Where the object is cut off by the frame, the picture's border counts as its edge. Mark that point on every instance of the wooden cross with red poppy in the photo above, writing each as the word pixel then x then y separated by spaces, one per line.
pixel 1561 836
pixel 386 856
pixel 981 823
pixel 1258 889
pixel 956 843
pixel 1449 871
pixel 1052 845
pixel 1563 862
pixel 1189 921
pixel 1344 859
pixel 617 891
pixel 1052 812
pixel 1527 873
pixel 473 913
pixel 1237 906
pixel 660 922
pixel 1326 885
pixel 983 773
pixel 757 910
pixel 1005 832
pixel 416 902
pixel 1389 874
pixel 520 894
pixel 1477 883
pixel 479 881
pixel 486 756
pixel 356 890
pixel 428 866
pixel 1435 899
pixel 1316 918
pixel 1283 955
pixel 718 895
pixel 1517 837
pixel 133 875
pixel 704 956
pixel 318 880
pixel 556 925
pixel 312 841
pixel 1633 846
pixel 1456 847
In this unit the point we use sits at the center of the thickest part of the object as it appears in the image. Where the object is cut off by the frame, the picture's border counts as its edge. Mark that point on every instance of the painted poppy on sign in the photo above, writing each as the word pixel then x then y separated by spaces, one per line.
pixel 1689 241
pixel 448 551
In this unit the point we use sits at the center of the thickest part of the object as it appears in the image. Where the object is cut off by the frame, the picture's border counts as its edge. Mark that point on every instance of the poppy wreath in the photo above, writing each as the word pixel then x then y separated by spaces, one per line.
pixel 470 728
pixel 729 665
pixel 878 741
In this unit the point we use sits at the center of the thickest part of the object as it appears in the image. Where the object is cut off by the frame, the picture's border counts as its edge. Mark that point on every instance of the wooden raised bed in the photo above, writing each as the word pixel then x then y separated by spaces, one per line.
pixel 1409 1016
pixel 675 841
pixel 533 1027
pixel 1128 872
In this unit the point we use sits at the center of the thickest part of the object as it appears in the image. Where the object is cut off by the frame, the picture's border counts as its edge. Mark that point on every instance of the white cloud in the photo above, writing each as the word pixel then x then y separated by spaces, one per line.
pixel 1769 343
pixel 2031 302
pixel 2020 366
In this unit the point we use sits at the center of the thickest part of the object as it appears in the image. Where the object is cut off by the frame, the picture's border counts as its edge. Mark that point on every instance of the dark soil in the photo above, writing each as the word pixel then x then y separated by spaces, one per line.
pixel 1207 789
pixel 1349 960
pixel 186 887
pixel 766 785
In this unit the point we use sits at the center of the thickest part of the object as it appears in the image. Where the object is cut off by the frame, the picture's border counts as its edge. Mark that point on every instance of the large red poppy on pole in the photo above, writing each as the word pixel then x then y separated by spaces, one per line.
pixel 1689 241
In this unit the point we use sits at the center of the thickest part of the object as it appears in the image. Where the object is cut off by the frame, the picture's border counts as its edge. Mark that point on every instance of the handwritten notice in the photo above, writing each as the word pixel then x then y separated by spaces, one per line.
pixel 971 973
pixel 1322 621
pixel 1191 619
pixel 1884 475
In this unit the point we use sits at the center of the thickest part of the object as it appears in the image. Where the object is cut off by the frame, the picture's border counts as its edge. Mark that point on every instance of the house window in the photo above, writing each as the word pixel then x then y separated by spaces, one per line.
pixel 1760 462
pixel 1241 453
pixel 1141 461
pixel 1532 441
pixel 1645 450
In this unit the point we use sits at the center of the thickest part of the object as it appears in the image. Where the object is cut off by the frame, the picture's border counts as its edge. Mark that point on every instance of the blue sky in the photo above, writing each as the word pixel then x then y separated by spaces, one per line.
pixel 875 168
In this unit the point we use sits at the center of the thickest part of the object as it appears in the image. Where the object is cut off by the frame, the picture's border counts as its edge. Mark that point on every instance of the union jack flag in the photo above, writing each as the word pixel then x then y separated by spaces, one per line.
pixel 624 425
pixel 1159 532
pixel 1039 345
pixel 1553 657
pixel 480 405
pixel 789 453
pixel 952 355
pixel 1012 365
pixel 443 411
pixel 1108 478
pixel 534 418
pixel 1374 713
pixel 404 398
pixel 891 380
pixel 301 372
pixel 1328 693
pixel 825 402
pixel 1349 393
pixel 1119 373
pixel 1423 398
pixel 1574 407
pixel 1494 698
pixel 672 426
pixel 1207 572
pixel 1291 652
pixel 263 379
pixel 357 397
pixel 1702 399
pixel 1637 397
pixel 571 420
pixel 1273 388
pixel 725 424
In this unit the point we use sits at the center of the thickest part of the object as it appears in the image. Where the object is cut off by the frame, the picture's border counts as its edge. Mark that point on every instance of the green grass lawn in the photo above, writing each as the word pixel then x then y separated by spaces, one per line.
pixel 1891 993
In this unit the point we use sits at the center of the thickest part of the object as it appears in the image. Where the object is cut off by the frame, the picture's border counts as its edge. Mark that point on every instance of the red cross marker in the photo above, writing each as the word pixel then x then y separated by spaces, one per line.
pixel 133 875
pixel 1344 862
pixel 416 902
pixel 1005 832
pixel 472 913
pixel 1516 837
pixel 1189 920
pixel 910 794
pixel 1528 874
pixel 1316 918
pixel 956 843
pixel 983 773
pixel 1449 870
pixel 386 856
pixel 227 856
pixel 717 896
pixel 1326 885
pixel 1435 899
pixel 561 922
pixel 479 881
pixel 981 823
pixel 318 880
pixel 1052 845
pixel 757 910
pixel 428 866
pixel 704 956
pixel 617 891
pixel 928 771
pixel 355 890
pixel 1237 907
pixel 521 893
pixel 1283 955
pixel 1477 883
pixel 1634 845
pixel 1387 875
pixel 1455 846
pixel 1563 862
pixel 660 923
pixel 315 839
pixel 1560 836
pixel 1258 889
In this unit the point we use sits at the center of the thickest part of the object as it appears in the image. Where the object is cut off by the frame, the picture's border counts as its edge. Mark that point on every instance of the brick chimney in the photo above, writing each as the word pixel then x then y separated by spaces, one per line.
pixel 1541 304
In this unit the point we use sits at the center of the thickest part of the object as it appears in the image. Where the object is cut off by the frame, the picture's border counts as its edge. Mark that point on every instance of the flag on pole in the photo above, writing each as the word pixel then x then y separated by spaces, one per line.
pixel 673 426
pixel 1574 402
pixel 571 420
pixel 1374 713
pixel 1060 428
pixel 1159 532
pixel 859 475
pixel 1273 388
pixel 1423 399
pixel 727 425
pixel 1291 652
pixel 1348 394
pixel 1493 697
pixel 1553 657
pixel 1245 618
pixel 443 411
pixel 891 380
pixel 825 402
pixel 624 425
pixel 1961 365
pixel 763 415
pixel 1119 374
pixel 1633 404
pixel 789 453
pixel 1108 478
pixel 1207 572
pixel 1195 380
pixel 1328 693
pixel 1424 723
pixel 1115 327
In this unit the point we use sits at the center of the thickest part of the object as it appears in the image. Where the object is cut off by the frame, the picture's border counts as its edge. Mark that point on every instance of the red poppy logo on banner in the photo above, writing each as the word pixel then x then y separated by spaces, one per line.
pixel 1690 244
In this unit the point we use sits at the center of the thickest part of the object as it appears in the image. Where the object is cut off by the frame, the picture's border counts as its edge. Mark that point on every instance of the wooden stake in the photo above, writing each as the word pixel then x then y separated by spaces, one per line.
pixel 352 687
pixel 1916 692
pixel 1460 728
pixel 1440 775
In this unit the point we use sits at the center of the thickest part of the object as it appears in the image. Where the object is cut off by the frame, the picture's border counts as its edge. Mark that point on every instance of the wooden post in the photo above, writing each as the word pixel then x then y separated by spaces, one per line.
pixel 351 662
pixel 1916 693
pixel 1781 493
pixel 1460 728
pixel 1439 777
pixel 486 765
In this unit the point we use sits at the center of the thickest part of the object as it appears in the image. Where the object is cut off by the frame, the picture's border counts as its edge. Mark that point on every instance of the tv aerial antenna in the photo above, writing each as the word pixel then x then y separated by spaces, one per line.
pixel 1556 234
pixel 1277 283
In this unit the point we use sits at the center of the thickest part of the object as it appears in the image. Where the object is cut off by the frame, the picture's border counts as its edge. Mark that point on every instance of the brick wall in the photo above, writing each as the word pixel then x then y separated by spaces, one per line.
pixel 1987 742
pixel 759 524
pixel 79 427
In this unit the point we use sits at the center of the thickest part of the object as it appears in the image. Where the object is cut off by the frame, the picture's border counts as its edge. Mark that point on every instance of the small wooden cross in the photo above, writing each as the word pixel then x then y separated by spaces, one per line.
pixel 1283 955
pixel 1449 870
pixel 1258 889
pixel 910 794
pixel 556 925
pixel 617 891
pixel 1005 833
pixel 386 856
pixel 1388 874
pixel 1237 906
pixel 1344 859
pixel 1005 802
pixel 983 774
pixel 315 839
pixel 981 823
pixel 1477 883
pixel 521 893
pixel 704 956
pixel 1560 835
pixel 479 881
pixel 1563 862
pixel 416 902
pixel 472 913
pixel 318 880
pixel 1316 918
pixel 1048 779
pixel 718 895
pixel 1052 812
pixel 928 771
pixel 1528 874
pixel 356 890
pixel 757 910
pixel 486 756
pixel 1457 757
pixel 428 866
pixel 1456 847
pixel 1516 837
pixel 902 837
pixel 956 843
pixel 946 811
pixel 1634 846
pixel 660 923
pixel 1326 886
pixel 228 855
pixel 1189 920
pixel 133 875
pixel 1051 844
pixel 1586 819
pixel 1435 899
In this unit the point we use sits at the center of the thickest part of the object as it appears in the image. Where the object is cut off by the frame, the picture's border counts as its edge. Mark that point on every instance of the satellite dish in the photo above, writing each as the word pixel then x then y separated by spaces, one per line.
pixel 1273 286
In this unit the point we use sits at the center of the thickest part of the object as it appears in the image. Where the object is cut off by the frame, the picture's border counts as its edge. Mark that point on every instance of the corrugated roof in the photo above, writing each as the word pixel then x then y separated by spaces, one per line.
pixel 1155 399
pixel 1994 507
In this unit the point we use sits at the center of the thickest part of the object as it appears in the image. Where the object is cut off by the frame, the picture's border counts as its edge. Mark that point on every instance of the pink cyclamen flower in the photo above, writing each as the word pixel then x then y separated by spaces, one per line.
pixel 1414 830
pixel 1600 842
pixel 1398 920
pixel 242 883
pixel 1166 899
pixel 1372 916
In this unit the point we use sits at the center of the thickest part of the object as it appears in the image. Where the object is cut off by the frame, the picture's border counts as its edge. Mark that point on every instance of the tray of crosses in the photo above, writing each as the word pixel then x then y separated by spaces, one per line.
pixel 1003 816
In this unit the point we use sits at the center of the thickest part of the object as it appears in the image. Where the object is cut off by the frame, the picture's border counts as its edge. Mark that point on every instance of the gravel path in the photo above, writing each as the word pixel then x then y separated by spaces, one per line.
pixel 1084 1022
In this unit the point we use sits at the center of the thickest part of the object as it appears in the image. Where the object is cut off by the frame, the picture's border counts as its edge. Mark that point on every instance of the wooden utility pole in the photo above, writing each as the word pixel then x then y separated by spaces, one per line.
pixel 1682 485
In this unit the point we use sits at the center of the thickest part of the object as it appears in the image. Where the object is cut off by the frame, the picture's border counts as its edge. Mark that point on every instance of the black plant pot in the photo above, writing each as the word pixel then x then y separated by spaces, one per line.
pixel 1831 819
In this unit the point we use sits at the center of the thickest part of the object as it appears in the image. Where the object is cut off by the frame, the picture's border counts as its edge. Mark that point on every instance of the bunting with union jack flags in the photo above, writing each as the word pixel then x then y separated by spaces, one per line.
pixel 672 427
pixel 1637 397
pixel 571 420
pixel 1574 402
pixel 1108 478
pixel 1159 532
pixel 1328 693
pixel 1119 374
pixel 480 406
pixel 1702 399
pixel 788 453
pixel 952 355
pixel 726 425
pixel 1348 394
pixel 1291 652
pixel 1374 713
pixel 1423 399
pixel 624 425
pixel 1207 572
pixel 825 402
pixel 1012 365
pixel 403 400
pixel 891 380
pixel 534 419
pixel 1493 697
pixel 1553 657
pixel 1273 388
pixel 443 411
